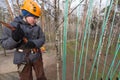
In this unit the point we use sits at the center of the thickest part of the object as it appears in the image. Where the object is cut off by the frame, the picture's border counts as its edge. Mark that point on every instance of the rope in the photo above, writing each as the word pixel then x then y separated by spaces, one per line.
pixel 100 41
pixel 109 43
pixel 86 54
pixel 119 76
pixel 86 27
pixel 65 41
pixel 97 50
pixel 96 34
pixel 85 39
pixel 76 45
pixel 115 70
pixel 116 52
pixel 110 8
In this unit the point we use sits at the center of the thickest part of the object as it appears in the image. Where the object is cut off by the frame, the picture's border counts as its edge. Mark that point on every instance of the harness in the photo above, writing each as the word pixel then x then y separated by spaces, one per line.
pixel 28 52
pixel 27 60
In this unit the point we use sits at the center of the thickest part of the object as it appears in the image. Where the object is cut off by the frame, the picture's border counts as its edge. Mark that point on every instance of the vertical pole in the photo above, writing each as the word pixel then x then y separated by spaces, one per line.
pixel 57 40
pixel 9 9
pixel 1 32
pixel 17 1
pixel 43 18
pixel 12 16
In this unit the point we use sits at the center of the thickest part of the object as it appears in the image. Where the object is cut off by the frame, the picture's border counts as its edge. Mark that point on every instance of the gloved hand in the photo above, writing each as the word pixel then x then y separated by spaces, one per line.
pixel 30 45
pixel 18 34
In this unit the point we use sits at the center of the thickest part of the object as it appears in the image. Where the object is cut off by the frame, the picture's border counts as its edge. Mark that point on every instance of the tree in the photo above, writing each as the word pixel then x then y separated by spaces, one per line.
pixel 118 2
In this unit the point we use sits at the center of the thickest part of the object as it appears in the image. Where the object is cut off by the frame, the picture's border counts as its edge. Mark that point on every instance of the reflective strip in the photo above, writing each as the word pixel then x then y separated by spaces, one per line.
pixel 20 50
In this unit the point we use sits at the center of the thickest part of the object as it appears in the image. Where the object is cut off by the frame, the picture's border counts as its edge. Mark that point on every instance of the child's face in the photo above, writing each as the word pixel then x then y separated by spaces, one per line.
pixel 31 20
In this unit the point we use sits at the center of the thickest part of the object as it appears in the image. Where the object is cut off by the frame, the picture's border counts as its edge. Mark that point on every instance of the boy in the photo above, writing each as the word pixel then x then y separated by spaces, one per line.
pixel 26 27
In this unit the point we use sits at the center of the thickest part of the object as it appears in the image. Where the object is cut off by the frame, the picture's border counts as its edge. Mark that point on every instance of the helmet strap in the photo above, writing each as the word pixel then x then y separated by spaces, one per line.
pixel 24 19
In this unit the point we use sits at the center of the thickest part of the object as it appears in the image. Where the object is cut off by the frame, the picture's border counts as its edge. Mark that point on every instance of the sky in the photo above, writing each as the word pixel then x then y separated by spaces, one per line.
pixel 74 4
pixel 2 2
pixel 96 3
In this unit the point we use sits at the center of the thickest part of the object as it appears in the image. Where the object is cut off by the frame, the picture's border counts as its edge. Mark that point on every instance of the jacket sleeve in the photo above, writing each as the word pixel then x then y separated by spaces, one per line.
pixel 41 39
pixel 6 40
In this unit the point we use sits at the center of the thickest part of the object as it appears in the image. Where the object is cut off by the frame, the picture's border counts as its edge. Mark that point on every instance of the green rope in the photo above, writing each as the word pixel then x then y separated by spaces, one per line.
pixel 76 45
pixel 116 52
pixel 83 44
pixel 86 55
pixel 100 41
pixel 112 68
pixel 87 21
pixel 103 35
pixel 115 70
pixel 109 43
pixel 65 40
pixel 119 76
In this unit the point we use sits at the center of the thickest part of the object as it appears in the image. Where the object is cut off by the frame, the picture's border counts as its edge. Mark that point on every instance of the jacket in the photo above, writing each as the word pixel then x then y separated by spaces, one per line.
pixel 33 33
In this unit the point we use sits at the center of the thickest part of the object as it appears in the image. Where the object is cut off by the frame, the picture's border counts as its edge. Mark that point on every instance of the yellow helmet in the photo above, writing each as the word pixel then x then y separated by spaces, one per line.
pixel 32 7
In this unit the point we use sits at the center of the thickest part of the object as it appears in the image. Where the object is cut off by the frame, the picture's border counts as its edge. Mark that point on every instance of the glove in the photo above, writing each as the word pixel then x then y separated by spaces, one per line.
pixel 30 45
pixel 18 34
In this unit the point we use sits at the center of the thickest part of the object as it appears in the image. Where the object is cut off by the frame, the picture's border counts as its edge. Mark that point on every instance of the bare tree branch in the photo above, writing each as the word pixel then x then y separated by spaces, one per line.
pixel 48 3
pixel 68 15
pixel 46 10
pixel 54 7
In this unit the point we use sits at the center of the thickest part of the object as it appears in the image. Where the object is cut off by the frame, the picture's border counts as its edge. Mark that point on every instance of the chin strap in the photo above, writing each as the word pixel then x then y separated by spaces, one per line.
pixel 24 19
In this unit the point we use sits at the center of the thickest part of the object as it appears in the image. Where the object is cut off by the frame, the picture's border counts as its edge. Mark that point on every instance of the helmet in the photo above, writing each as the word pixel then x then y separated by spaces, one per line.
pixel 32 7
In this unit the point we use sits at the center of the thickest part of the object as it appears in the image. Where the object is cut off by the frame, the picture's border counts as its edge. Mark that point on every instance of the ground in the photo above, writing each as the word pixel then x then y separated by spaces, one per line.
pixel 8 71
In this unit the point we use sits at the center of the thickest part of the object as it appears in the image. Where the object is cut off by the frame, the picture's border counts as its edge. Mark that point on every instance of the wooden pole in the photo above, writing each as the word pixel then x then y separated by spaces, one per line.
pixel 9 9
pixel 11 17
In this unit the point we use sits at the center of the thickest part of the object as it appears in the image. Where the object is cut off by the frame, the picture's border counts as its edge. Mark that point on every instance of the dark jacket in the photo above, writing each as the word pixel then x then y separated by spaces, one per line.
pixel 33 33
